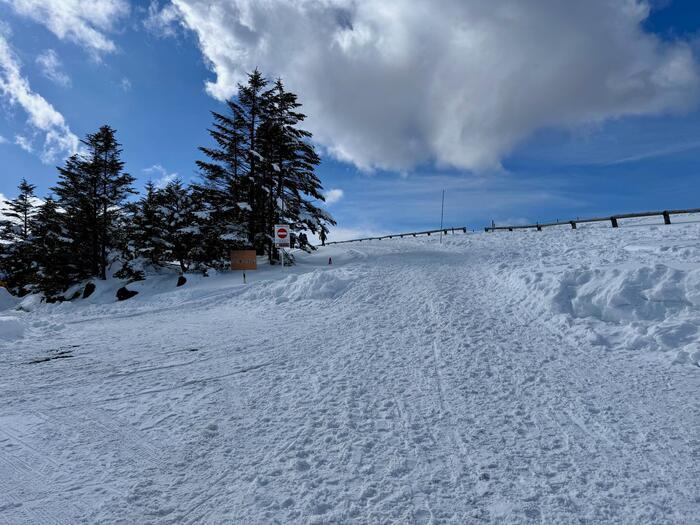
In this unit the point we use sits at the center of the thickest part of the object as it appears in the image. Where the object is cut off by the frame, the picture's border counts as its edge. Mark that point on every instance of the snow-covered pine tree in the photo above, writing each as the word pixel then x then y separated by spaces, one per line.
pixel 16 259
pixel 262 170
pixel 52 251
pixel 146 228
pixel 291 160
pixel 232 192
pixel 21 210
pixel 180 230
pixel 91 190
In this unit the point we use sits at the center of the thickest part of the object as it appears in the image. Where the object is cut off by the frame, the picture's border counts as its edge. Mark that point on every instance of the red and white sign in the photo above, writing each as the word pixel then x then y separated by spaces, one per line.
pixel 282 235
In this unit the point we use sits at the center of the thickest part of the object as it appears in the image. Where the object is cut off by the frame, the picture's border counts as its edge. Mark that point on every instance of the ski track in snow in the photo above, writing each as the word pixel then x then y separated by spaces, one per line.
pixel 411 382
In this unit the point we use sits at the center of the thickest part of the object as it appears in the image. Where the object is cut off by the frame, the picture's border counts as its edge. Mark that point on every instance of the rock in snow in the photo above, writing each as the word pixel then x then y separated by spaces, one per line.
pixel 123 293
pixel 89 290
pixel 520 377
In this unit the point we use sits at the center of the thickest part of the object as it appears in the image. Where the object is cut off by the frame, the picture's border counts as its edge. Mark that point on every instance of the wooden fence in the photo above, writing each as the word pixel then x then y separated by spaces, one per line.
pixel 445 231
pixel 613 219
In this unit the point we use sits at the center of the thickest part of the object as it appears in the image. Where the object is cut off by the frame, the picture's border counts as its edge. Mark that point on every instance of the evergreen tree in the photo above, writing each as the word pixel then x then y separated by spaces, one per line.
pixel 16 260
pixel 290 168
pixel 91 190
pixel 52 251
pixel 21 211
pixel 181 231
pixel 232 188
pixel 145 229
pixel 261 171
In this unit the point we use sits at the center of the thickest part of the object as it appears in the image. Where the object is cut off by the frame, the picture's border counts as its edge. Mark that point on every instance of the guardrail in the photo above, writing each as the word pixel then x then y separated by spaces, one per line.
pixel 666 214
pixel 445 231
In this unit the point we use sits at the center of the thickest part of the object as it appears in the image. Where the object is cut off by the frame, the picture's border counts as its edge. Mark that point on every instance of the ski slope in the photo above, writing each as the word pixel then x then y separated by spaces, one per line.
pixel 522 377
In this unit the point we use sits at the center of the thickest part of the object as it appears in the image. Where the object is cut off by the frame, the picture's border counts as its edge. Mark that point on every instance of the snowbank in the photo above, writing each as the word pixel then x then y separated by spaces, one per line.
pixel 653 307
pixel 628 295
pixel 11 329
pixel 7 300
pixel 314 285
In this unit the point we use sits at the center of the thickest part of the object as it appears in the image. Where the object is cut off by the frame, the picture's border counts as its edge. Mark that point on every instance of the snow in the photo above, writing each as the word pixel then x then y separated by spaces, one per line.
pixel 10 329
pixel 494 378
pixel 7 300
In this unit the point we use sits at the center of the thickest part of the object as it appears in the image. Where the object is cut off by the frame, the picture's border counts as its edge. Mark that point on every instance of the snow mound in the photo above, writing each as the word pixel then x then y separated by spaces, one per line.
pixel 30 303
pixel 315 285
pixel 11 329
pixel 649 307
pixel 619 295
pixel 7 300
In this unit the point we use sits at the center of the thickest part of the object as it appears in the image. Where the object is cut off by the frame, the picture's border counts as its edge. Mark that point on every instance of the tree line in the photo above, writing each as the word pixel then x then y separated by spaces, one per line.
pixel 259 171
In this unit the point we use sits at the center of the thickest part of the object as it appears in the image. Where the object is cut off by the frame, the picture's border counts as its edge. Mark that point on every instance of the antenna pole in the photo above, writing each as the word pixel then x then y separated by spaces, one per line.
pixel 442 214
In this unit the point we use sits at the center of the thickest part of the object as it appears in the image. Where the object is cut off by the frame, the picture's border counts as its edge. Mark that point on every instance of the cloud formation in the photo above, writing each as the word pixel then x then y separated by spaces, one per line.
pixel 52 68
pixel 58 139
pixel 163 178
pixel 455 82
pixel 333 195
pixel 84 22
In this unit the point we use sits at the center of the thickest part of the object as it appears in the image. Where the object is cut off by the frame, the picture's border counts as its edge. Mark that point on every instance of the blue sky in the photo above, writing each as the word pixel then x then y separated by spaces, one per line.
pixel 390 141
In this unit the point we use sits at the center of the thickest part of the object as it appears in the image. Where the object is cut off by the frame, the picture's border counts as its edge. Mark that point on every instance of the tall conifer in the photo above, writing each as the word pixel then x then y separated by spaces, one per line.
pixel 91 190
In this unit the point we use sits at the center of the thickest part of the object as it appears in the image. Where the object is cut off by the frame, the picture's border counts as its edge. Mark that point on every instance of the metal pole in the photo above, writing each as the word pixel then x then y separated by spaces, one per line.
pixel 442 214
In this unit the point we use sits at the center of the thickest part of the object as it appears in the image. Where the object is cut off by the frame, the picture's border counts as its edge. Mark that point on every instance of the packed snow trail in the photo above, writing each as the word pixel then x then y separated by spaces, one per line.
pixel 409 383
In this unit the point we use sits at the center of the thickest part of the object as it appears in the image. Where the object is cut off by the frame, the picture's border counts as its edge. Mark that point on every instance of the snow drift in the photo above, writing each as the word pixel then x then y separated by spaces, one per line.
pixel 314 285
pixel 7 300
pixel 11 329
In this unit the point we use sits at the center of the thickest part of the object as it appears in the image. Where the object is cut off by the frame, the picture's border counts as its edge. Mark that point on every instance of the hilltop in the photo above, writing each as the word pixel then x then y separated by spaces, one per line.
pixel 511 377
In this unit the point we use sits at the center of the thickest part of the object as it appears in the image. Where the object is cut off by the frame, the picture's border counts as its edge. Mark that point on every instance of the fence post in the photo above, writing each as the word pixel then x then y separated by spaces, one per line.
pixel 667 217
pixel 464 230
pixel 613 220
pixel 539 228
pixel 573 225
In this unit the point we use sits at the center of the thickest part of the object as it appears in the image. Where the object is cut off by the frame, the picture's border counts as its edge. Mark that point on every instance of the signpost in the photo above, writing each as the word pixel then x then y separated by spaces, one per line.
pixel 281 239
pixel 244 260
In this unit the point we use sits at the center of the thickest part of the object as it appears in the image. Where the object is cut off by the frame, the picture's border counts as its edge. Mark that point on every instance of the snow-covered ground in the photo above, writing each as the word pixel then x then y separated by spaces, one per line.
pixel 497 378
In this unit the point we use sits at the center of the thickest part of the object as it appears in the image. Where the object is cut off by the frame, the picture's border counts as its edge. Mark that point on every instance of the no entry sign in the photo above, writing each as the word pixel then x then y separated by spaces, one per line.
pixel 282 235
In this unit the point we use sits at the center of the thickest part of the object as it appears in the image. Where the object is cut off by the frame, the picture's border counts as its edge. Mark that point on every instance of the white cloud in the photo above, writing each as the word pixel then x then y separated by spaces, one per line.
pixel 58 139
pixel 125 84
pixel 84 22
pixel 162 21
pixel 3 140
pixel 394 84
pixel 52 68
pixel 334 195
pixel 163 178
pixel 24 143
